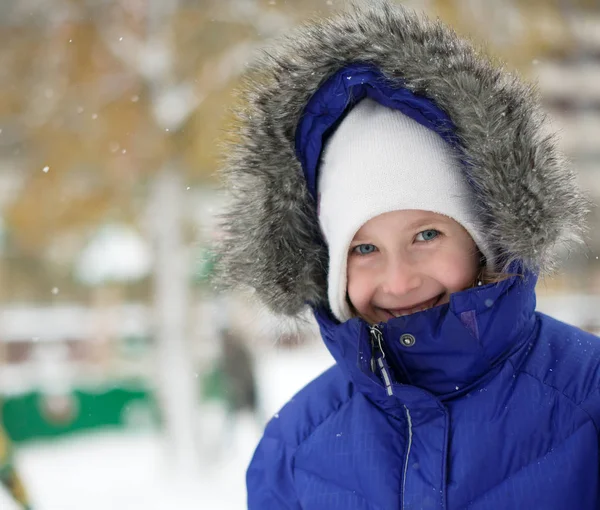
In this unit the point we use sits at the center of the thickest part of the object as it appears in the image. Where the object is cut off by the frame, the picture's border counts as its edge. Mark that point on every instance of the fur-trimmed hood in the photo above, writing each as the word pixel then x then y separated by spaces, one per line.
pixel 527 199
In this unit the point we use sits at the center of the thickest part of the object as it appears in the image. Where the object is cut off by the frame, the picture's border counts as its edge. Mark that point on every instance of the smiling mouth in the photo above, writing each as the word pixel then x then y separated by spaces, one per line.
pixel 401 312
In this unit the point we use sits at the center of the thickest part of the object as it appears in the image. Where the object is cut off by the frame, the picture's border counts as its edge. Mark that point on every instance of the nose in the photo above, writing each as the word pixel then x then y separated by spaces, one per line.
pixel 401 277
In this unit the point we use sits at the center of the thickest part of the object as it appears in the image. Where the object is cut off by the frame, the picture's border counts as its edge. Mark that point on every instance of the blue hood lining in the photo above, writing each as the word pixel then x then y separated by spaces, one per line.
pixel 336 97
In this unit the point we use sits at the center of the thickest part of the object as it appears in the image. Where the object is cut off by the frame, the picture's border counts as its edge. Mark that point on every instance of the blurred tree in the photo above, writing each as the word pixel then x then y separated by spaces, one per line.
pixel 97 96
pixel 92 104
pixel 519 31
pixel 104 104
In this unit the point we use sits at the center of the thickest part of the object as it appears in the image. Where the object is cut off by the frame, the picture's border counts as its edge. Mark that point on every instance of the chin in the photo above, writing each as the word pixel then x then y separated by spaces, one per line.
pixel 444 300
pixel 370 319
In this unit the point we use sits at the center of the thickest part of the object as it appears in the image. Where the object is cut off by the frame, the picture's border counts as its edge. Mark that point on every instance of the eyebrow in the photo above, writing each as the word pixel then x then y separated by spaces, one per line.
pixel 421 222
pixel 425 221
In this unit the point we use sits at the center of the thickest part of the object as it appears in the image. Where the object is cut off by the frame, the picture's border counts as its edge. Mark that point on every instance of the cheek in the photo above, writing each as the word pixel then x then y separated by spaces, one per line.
pixel 359 289
pixel 459 273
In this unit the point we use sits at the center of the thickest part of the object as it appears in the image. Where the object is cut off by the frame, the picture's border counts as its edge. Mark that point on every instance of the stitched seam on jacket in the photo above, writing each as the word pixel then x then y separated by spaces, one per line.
pixel 504 480
pixel 338 405
pixel 329 415
pixel 582 404
pixel 353 491
pixel 578 405
pixel 284 502
pixel 293 467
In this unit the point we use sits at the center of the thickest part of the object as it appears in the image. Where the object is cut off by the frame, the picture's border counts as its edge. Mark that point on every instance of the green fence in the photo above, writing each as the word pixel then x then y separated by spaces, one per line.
pixel 37 415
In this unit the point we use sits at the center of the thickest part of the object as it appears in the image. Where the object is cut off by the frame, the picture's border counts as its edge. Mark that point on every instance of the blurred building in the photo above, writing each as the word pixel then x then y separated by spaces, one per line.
pixel 568 82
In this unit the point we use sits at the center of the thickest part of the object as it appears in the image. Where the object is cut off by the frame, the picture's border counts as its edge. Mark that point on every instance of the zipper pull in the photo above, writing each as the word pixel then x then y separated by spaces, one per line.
pixel 378 357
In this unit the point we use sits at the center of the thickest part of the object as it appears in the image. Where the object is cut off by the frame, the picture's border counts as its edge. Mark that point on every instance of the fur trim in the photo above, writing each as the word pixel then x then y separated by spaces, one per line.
pixel 527 197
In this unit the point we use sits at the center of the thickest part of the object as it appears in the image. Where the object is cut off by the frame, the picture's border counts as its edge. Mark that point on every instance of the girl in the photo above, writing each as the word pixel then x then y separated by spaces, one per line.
pixel 393 180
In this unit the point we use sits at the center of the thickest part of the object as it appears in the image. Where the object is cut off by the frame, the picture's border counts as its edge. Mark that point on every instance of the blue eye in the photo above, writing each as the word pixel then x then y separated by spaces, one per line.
pixel 364 249
pixel 428 235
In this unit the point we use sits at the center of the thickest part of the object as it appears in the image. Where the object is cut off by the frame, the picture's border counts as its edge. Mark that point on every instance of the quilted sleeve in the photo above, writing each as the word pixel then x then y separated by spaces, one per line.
pixel 270 479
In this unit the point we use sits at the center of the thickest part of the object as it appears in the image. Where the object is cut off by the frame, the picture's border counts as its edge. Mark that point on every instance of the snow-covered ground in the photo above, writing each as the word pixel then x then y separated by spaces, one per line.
pixel 131 471
pixel 112 470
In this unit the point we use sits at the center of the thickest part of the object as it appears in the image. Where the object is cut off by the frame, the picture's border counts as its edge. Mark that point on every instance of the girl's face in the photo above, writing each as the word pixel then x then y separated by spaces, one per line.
pixel 403 262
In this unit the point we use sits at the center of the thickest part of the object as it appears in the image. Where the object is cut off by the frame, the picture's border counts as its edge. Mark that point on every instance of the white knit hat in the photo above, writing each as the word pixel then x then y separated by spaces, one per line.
pixel 379 160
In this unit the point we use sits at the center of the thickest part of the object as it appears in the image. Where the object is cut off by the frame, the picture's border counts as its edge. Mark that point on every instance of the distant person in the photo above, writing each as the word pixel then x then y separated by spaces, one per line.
pixel 398 182
pixel 238 373
pixel 243 416
pixel 9 477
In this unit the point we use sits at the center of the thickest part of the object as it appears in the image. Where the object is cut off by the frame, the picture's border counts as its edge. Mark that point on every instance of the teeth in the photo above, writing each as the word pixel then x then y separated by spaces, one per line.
pixel 429 305
pixel 402 314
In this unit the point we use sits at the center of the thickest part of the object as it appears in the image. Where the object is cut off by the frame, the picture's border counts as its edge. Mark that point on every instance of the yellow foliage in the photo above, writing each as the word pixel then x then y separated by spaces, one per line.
pixel 88 113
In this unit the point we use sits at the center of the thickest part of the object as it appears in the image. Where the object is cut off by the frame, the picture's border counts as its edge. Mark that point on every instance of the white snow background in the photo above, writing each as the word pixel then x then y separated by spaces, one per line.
pixel 127 471
pixel 114 470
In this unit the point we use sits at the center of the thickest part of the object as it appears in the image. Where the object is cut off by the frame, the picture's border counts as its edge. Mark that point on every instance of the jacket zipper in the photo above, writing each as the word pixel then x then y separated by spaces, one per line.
pixel 378 357
pixel 377 362
pixel 408 447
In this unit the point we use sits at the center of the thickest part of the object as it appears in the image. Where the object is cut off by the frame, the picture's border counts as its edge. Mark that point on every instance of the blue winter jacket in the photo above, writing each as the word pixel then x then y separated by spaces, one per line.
pixel 494 406
pixel 481 403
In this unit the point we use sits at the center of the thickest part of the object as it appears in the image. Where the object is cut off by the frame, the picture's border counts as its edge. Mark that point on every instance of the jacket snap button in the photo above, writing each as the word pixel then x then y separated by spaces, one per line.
pixel 407 340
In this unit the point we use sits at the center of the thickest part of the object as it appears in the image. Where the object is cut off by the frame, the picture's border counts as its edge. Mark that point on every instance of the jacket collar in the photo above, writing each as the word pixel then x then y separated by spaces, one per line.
pixel 455 345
